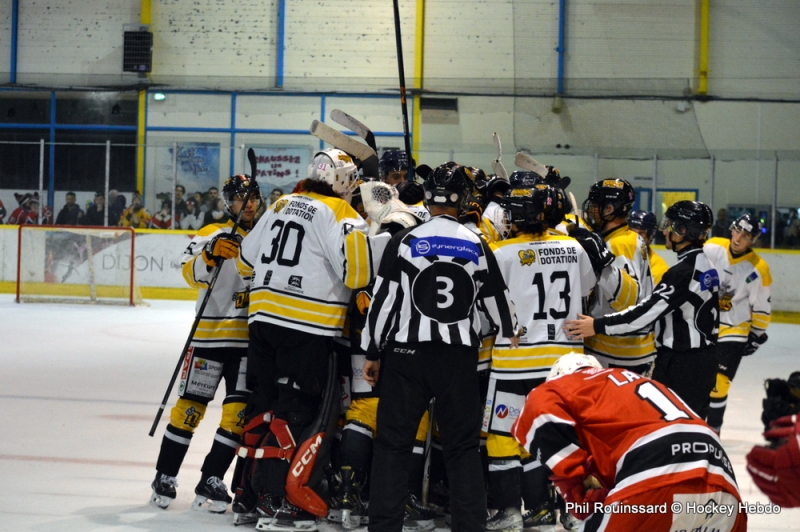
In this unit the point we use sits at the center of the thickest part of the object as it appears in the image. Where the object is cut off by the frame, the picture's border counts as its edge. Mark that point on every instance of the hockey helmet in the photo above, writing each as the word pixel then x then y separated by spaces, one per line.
pixel 496 186
pixel 524 178
pixel 527 205
pixel 238 186
pixel 558 208
pixel 336 168
pixel 689 219
pixel 615 192
pixel 570 363
pixel 748 223
pixel 394 161
pixel 448 185
pixel 643 221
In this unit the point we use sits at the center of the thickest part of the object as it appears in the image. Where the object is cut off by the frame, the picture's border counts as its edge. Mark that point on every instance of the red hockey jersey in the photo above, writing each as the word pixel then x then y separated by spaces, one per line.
pixel 640 435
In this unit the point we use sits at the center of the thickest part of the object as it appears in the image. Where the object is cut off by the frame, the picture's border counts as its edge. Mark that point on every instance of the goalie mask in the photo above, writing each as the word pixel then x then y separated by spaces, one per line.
pixel 237 186
pixel 448 186
pixel 615 192
pixel 690 219
pixel 336 168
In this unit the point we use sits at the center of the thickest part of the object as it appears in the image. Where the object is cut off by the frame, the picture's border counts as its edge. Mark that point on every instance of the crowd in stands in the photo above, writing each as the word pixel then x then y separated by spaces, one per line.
pixel 191 212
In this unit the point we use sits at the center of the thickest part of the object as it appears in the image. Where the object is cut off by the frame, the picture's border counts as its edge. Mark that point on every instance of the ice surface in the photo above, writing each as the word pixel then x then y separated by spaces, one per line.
pixel 80 386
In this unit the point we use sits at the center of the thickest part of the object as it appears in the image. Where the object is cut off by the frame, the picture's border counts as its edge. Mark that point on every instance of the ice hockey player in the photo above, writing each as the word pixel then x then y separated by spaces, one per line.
pixel 644 224
pixel 393 168
pixel 547 275
pixel 302 259
pixel 626 282
pixel 217 352
pixel 428 337
pixel 745 286
pixel 684 308
pixel 619 440
pixel 494 225
pixel 776 468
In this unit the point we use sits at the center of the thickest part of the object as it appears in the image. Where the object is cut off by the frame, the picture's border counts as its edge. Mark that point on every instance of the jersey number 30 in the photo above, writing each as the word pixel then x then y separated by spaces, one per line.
pixel 282 240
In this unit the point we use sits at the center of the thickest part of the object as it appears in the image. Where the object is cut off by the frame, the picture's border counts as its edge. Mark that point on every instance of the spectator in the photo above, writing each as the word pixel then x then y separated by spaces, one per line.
pixel 199 200
pixel 116 206
pixel 216 214
pixel 180 203
pixel 193 219
pixel 136 215
pixel 211 199
pixel 71 213
pixel 96 212
pixel 163 218
pixel 274 195
pixel 2 212
pixel 28 210
pixel 721 227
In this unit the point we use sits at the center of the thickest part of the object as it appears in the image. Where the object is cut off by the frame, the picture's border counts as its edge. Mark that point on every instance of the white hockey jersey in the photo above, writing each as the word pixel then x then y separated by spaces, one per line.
pixel 624 285
pixel 547 275
pixel 745 287
pixel 302 259
pixel 224 320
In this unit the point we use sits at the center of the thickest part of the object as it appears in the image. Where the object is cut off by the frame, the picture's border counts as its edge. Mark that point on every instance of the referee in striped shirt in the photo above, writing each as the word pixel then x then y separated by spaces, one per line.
pixel 432 281
pixel 684 307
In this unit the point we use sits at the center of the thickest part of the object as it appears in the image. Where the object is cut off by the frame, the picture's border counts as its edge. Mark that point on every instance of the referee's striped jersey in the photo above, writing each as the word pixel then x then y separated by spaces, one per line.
pixel 684 306
pixel 432 281
pixel 302 258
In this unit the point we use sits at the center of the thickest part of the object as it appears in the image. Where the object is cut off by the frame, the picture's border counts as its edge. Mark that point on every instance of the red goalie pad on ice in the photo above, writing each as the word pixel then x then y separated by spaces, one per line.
pixel 297 490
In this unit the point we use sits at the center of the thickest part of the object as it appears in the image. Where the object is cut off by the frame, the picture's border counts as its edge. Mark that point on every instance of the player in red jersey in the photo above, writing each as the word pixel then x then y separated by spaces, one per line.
pixel 627 453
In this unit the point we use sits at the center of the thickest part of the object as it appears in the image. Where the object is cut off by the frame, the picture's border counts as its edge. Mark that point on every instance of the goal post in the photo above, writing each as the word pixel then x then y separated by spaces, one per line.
pixel 73 264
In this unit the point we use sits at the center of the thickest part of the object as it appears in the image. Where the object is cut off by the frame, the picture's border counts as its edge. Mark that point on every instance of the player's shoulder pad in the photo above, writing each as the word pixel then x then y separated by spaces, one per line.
pixel 718 241
pixel 339 207
pixel 762 268
pixel 210 229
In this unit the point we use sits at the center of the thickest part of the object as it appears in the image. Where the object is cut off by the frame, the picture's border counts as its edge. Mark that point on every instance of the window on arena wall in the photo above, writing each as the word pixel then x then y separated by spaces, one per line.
pixel 19 158
pixel 80 160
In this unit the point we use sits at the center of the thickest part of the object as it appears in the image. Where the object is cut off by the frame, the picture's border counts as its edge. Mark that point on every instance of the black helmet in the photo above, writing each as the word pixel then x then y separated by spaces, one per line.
pixel 748 223
pixel 528 206
pixel 410 192
pixel 644 221
pixel 394 161
pixel 238 185
pixel 689 219
pixel 448 185
pixel 616 192
pixel 525 178
pixel 496 185
pixel 559 206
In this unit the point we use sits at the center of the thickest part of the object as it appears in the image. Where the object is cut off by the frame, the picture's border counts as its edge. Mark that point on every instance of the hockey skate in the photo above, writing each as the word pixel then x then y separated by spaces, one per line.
pixel 244 510
pixel 543 519
pixel 418 517
pixel 211 496
pixel 569 521
pixel 348 501
pixel 508 520
pixel 288 518
pixel 163 490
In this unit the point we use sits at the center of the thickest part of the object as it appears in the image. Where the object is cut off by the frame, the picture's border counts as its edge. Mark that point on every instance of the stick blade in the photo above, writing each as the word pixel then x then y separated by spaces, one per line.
pixel 526 162
pixel 356 126
pixel 251 156
pixel 337 139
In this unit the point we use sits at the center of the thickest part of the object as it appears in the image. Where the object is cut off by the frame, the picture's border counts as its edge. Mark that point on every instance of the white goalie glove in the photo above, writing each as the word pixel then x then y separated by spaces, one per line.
pixel 382 205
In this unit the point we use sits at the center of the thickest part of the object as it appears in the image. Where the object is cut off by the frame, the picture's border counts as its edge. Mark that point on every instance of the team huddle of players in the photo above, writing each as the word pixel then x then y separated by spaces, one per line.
pixel 296 285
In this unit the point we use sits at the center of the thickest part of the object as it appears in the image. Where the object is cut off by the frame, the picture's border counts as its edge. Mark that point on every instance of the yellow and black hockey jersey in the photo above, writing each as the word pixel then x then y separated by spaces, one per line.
pixel 745 286
pixel 547 275
pixel 302 259
pixel 224 320
pixel 621 286
pixel 658 266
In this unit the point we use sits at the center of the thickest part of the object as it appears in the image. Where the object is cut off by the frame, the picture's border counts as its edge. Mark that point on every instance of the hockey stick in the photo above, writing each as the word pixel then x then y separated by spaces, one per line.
pixel 497 165
pixel 526 162
pixel 251 156
pixel 402 74
pixel 359 128
pixel 367 156
pixel 426 475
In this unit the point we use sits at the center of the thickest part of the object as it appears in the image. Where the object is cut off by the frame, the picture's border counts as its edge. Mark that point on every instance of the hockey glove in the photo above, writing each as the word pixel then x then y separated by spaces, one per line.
pixel 472 212
pixel 754 341
pixel 776 469
pixel 221 247
pixel 594 246
pixel 581 490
